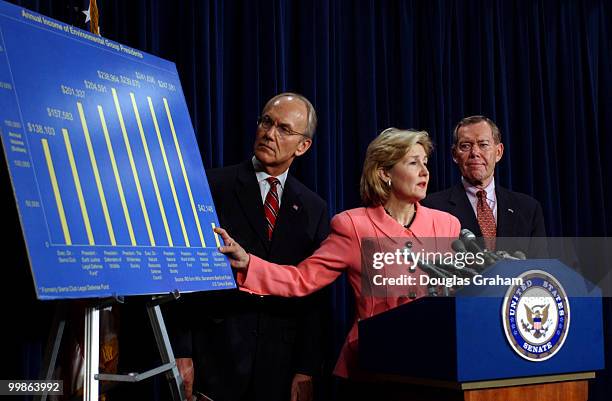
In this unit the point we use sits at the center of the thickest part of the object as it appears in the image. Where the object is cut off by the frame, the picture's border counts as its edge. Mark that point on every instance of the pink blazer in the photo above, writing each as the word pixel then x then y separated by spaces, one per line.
pixel 340 252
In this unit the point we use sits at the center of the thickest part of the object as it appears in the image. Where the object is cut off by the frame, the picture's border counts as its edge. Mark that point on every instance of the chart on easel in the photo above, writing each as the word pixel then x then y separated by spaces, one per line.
pixel 105 167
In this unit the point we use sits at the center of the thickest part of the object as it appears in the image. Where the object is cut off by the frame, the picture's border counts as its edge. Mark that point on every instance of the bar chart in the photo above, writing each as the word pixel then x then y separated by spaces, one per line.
pixel 105 166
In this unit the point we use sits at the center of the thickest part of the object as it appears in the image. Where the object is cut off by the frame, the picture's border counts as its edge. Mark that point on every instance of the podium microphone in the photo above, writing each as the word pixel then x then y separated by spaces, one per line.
pixel 434 270
pixel 520 255
pixel 505 255
pixel 408 246
pixel 469 239
pixel 458 246
pixel 464 271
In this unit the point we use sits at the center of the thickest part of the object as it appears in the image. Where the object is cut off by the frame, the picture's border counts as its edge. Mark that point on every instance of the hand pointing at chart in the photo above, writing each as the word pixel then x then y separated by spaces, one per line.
pixel 238 257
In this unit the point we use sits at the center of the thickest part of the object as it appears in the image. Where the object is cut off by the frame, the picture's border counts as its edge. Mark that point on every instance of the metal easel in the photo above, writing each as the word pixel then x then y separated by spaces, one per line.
pixel 92 377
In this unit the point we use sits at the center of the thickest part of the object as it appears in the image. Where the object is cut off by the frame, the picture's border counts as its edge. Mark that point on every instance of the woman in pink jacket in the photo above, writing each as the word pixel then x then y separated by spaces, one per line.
pixel 393 181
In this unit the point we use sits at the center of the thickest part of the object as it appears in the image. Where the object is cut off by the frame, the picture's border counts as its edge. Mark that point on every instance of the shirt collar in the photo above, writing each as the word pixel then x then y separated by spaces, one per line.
pixel 262 175
pixel 472 190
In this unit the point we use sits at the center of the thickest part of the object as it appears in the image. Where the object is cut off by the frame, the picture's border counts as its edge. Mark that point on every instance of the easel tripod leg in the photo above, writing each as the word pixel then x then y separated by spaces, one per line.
pixel 53 345
pixel 92 353
pixel 165 351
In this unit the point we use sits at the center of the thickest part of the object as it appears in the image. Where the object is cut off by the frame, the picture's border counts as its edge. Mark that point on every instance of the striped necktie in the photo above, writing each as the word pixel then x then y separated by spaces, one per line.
pixel 271 205
pixel 486 220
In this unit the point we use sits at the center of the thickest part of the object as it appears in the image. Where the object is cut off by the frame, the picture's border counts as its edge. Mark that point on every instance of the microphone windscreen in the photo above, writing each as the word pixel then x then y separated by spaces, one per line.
pixel 458 246
pixel 467 234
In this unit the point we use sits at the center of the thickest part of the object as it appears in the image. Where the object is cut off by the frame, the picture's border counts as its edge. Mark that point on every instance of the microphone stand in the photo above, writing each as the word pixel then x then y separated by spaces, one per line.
pixel 436 272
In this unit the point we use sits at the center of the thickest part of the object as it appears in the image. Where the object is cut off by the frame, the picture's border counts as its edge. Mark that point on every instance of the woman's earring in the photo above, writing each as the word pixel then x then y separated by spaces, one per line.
pixel 389 183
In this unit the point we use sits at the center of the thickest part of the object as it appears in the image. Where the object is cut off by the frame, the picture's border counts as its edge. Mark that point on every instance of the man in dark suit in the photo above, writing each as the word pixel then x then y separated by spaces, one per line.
pixel 239 346
pixel 482 206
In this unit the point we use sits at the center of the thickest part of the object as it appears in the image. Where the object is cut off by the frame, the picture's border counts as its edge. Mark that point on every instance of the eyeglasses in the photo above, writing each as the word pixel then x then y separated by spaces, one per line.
pixel 266 122
pixel 465 147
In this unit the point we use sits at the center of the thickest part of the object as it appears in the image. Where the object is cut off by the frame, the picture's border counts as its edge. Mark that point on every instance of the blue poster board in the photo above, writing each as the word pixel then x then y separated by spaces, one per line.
pixel 107 176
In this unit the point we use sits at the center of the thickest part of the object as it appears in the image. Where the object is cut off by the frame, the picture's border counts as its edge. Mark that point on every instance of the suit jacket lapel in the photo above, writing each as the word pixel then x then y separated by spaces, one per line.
pixel 290 208
pixel 385 223
pixel 505 213
pixel 249 196
pixel 461 208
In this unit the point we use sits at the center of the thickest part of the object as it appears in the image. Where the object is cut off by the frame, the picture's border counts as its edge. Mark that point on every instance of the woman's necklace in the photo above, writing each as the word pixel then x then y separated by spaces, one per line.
pixel 407 225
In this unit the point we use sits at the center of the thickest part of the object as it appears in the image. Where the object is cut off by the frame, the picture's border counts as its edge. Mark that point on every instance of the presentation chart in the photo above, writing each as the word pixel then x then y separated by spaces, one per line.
pixel 106 171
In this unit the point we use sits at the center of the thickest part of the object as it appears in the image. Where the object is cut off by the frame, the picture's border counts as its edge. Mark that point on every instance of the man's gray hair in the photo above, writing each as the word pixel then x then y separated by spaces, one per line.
pixel 475 120
pixel 311 114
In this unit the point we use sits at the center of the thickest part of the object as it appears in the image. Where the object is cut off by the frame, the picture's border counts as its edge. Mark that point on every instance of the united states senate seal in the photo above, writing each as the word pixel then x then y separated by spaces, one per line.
pixel 536 316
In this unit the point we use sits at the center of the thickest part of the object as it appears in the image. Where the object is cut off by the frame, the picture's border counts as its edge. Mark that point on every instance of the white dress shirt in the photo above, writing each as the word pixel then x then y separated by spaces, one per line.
pixel 264 186
pixel 471 191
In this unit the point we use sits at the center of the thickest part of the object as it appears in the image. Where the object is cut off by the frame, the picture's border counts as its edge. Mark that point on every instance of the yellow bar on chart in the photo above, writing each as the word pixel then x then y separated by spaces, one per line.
pixel 168 172
pixel 94 166
pixel 160 204
pixel 126 140
pixel 184 171
pixel 77 184
pixel 216 235
pixel 56 192
pixel 111 153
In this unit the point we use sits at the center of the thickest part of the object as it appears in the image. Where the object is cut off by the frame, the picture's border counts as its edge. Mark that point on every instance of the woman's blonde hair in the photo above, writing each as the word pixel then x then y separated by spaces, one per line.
pixel 384 152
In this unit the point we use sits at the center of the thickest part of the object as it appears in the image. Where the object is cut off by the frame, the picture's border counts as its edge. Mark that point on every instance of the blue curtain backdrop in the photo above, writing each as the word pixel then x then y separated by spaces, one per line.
pixel 541 69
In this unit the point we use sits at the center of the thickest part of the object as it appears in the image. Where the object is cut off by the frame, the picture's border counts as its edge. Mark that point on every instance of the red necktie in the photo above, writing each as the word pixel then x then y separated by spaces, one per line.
pixel 271 205
pixel 486 220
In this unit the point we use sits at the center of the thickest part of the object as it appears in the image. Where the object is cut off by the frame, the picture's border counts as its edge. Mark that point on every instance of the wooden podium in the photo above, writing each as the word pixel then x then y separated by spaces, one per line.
pixel 455 348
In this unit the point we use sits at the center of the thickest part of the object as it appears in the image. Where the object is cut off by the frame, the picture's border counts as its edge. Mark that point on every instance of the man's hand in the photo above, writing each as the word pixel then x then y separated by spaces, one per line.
pixel 301 388
pixel 238 257
pixel 185 367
